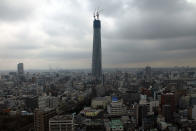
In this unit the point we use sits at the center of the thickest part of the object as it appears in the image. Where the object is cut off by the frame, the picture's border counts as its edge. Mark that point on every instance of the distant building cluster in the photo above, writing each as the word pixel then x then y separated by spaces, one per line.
pixel 127 99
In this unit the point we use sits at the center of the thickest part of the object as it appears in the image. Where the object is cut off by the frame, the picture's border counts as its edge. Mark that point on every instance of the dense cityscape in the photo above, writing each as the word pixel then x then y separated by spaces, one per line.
pixel 127 99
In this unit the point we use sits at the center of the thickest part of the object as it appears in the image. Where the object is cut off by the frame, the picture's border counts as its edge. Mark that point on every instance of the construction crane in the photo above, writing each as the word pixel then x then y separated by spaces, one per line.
pixel 96 13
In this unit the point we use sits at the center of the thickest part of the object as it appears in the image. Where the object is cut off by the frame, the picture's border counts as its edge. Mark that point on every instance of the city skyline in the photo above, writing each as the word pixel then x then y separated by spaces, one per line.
pixel 58 34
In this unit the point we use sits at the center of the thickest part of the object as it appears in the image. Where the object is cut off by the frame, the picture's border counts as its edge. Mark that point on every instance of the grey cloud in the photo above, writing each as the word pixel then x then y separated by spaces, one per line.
pixel 25 41
pixel 27 45
pixel 15 10
pixel 182 43
pixel 148 56
pixel 142 31
pixel 16 54
pixel 161 6
pixel 64 55
pixel 158 31
pixel 156 27
pixel 168 18
pixel 136 51
pixel 67 25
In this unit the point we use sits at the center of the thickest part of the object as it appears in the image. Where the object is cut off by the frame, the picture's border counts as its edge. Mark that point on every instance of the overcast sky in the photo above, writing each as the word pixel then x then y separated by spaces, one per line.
pixel 58 34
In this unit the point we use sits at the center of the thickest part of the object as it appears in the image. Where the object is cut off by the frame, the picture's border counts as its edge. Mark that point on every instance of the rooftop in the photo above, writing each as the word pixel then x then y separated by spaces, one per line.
pixel 114 99
pixel 116 123
pixel 62 117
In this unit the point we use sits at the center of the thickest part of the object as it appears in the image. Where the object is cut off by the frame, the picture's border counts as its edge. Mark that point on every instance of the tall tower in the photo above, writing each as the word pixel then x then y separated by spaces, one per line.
pixel 96 58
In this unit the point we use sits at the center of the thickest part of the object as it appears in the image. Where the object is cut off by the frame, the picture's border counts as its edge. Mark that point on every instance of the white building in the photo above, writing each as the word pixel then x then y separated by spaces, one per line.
pixel 100 102
pixel 61 123
pixel 48 102
pixel 116 107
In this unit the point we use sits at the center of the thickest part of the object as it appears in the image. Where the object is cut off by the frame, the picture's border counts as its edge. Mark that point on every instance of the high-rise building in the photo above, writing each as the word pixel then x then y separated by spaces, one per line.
pixel 41 119
pixel 20 68
pixel 141 113
pixel 96 59
pixel 167 112
pixel 169 99
pixel 148 74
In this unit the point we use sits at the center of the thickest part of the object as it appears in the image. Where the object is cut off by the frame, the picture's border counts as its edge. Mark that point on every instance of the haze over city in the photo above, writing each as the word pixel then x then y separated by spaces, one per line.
pixel 58 34
pixel 97 65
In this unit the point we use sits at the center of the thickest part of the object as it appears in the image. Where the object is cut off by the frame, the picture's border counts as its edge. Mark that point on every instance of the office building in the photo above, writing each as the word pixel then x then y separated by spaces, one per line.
pixel 116 107
pixel 20 69
pixel 168 99
pixel 167 112
pixel 141 113
pixel 41 119
pixel 148 74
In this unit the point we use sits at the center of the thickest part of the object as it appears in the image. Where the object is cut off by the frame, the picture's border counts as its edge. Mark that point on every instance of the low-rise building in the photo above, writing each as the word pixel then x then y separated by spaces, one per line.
pixel 114 125
pixel 100 102
pixel 61 123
